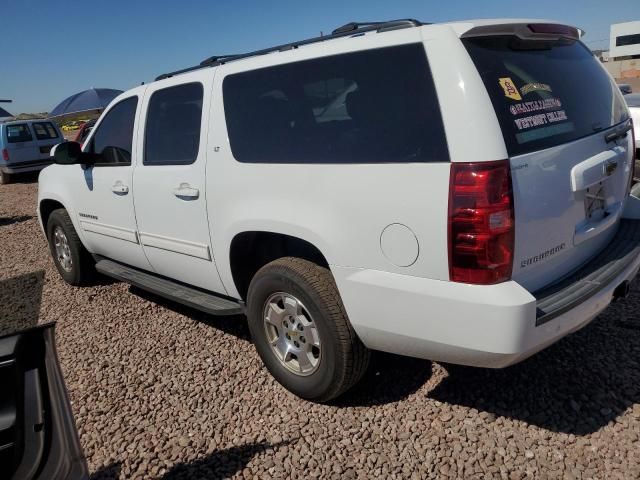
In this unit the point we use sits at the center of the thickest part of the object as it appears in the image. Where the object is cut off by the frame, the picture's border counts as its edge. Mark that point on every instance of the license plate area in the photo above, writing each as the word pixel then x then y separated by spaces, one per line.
pixel 595 203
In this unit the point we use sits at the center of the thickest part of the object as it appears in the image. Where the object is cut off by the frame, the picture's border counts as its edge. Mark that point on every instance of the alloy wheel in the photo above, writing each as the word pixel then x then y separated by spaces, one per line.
pixel 292 333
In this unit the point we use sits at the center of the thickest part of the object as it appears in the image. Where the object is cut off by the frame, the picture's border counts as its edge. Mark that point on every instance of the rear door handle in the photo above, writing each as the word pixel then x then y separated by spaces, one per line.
pixel 120 188
pixel 596 169
pixel 186 191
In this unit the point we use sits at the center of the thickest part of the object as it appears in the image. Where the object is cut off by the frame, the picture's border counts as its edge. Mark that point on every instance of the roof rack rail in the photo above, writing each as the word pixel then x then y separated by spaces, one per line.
pixel 208 61
pixel 381 26
pixel 346 30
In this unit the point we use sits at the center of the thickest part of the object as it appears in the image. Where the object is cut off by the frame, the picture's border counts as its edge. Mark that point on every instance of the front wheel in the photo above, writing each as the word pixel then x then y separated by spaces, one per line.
pixel 72 260
pixel 301 331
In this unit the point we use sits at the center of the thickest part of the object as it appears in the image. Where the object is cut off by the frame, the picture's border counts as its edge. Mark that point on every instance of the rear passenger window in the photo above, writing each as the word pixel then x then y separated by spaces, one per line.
pixel 172 133
pixel 18 132
pixel 114 137
pixel 44 131
pixel 365 107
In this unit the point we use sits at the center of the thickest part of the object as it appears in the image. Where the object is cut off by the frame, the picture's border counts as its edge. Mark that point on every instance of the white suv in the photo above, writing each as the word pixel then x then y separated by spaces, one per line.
pixel 457 192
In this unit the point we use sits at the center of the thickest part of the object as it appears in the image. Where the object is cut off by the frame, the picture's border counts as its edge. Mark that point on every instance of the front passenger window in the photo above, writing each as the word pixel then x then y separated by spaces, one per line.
pixel 114 136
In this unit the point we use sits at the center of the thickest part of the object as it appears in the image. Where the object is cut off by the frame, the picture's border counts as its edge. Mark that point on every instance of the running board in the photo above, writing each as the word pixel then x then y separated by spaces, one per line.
pixel 191 297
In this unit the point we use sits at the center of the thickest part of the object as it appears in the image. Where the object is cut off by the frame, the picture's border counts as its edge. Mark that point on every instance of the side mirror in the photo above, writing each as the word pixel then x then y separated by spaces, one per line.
pixel 66 153
pixel 69 153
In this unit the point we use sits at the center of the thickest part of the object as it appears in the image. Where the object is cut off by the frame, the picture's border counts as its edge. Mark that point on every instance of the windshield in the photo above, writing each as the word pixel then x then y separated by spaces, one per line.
pixel 545 93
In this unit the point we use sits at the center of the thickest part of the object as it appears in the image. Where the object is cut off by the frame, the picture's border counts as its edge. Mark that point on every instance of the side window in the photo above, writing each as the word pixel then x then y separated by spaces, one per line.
pixel 44 131
pixel 114 137
pixel 373 106
pixel 172 132
pixel 18 132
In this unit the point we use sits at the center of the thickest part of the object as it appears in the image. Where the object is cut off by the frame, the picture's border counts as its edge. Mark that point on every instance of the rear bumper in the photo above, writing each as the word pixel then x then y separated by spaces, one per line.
pixel 24 167
pixel 485 326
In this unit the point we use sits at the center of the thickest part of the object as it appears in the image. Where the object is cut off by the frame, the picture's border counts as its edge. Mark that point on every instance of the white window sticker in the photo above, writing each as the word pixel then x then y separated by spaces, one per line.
pixel 557 116
pixel 540 119
pixel 532 121
pixel 535 106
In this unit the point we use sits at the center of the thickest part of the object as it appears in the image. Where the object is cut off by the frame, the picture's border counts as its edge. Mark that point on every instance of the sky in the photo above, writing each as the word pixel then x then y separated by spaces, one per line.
pixel 55 48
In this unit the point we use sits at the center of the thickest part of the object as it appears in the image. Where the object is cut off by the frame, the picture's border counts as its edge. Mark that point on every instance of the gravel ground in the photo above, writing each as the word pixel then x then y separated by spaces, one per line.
pixel 160 391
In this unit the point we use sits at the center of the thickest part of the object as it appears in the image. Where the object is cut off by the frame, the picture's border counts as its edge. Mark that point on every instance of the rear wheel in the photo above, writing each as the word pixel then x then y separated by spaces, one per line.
pixel 74 263
pixel 5 178
pixel 301 330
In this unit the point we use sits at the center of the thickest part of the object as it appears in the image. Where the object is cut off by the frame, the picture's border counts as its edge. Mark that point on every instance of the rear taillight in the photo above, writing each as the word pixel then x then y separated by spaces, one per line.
pixel 481 222
pixel 555 29
pixel 5 154
pixel 632 174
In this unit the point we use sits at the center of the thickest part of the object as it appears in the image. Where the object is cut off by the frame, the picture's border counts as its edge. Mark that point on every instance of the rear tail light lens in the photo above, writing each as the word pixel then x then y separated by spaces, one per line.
pixel 632 174
pixel 5 154
pixel 481 222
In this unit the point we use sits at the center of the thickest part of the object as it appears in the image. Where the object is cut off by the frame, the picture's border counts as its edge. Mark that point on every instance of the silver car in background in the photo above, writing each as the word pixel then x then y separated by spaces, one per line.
pixel 633 102
pixel 25 146
pixel 625 88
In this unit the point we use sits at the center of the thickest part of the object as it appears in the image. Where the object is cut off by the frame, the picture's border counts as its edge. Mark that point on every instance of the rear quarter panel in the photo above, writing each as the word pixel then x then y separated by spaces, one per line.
pixel 471 125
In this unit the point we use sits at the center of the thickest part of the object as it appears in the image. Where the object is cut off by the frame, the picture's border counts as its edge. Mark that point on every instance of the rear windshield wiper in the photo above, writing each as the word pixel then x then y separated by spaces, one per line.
pixel 618 133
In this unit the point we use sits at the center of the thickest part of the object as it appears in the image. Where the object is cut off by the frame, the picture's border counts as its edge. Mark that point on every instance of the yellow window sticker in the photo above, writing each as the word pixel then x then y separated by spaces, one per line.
pixel 510 90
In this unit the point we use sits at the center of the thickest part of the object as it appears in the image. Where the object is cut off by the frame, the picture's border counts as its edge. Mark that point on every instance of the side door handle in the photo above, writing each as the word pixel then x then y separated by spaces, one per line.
pixel 120 188
pixel 186 191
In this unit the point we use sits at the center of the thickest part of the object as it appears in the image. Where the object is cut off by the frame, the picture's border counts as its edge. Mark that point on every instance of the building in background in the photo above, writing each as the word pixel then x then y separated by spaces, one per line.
pixel 623 59
pixel 624 41
pixel 603 55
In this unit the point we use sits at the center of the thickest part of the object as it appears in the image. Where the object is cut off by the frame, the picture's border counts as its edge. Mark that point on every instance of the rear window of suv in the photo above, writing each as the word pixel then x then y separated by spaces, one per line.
pixel 44 131
pixel 373 106
pixel 18 132
pixel 545 93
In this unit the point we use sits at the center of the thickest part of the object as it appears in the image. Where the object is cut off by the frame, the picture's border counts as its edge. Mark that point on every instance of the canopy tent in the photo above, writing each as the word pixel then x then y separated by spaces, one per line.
pixel 91 101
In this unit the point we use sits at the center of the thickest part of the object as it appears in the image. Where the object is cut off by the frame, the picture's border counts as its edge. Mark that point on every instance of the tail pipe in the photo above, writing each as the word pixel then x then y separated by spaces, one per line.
pixel 621 291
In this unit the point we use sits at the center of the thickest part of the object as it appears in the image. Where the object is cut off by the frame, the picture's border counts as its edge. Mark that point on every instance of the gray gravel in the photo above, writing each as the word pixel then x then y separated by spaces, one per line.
pixel 160 391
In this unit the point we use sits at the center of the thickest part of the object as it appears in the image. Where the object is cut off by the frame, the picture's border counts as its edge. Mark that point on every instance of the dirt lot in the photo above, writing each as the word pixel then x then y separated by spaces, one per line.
pixel 160 391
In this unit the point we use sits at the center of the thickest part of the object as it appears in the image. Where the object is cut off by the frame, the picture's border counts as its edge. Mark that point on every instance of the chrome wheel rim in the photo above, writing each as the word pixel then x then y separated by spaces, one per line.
pixel 292 334
pixel 63 252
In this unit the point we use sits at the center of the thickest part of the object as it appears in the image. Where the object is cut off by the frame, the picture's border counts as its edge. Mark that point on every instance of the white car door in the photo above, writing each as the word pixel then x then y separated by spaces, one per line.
pixel 102 191
pixel 169 181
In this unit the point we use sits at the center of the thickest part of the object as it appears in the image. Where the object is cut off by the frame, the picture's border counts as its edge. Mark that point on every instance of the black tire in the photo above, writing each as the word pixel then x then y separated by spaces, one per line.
pixel 5 178
pixel 82 268
pixel 343 359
